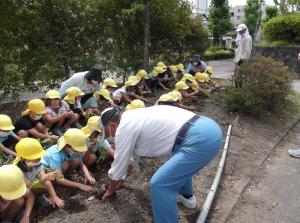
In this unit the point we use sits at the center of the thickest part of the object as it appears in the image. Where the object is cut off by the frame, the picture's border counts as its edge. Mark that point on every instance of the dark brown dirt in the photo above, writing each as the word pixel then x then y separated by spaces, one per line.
pixel 132 203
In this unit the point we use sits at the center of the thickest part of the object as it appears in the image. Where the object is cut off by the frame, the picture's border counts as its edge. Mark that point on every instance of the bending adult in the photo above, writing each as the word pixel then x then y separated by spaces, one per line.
pixel 87 82
pixel 196 65
pixel 191 140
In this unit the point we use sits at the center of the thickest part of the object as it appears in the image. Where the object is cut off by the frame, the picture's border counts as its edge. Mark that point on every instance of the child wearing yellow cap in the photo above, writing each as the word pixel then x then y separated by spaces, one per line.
pixel 29 154
pixel 66 156
pixel 95 141
pixel 143 88
pixel 127 93
pixel 14 195
pixel 73 100
pixel 102 100
pixel 58 116
pixel 6 128
pixel 32 123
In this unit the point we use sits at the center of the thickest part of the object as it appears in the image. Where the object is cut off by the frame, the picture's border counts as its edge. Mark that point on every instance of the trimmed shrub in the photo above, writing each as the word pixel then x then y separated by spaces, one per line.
pixel 218 54
pixel 283 28
pixel 265 84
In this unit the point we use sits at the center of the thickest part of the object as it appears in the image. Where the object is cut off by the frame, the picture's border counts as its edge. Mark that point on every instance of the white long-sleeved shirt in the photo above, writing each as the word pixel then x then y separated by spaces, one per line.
pixel 146 132
pixel 244 49
pixel 78 80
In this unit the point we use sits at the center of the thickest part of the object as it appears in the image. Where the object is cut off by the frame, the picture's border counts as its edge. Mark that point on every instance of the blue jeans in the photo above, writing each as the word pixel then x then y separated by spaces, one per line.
pixel 200 146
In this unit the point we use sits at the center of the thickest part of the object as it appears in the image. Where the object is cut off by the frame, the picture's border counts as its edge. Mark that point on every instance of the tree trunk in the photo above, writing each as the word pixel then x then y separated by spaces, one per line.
pixel 146 35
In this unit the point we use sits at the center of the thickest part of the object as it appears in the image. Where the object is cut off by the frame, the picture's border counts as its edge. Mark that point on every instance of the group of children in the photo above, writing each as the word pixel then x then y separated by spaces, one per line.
pixel 71 125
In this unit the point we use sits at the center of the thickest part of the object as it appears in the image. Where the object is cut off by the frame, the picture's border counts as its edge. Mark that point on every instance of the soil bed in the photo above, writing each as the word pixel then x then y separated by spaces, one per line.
pixel 132 203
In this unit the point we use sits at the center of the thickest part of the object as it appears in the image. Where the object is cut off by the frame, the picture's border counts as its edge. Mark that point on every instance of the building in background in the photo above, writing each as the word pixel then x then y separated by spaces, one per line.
pixel 201 8
pixel 237 14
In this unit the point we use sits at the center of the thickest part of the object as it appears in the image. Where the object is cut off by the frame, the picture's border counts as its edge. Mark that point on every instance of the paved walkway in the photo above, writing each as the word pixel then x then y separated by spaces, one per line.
pixel 274 194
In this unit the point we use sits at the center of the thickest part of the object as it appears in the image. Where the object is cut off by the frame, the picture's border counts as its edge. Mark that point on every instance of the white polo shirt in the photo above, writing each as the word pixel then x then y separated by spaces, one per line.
pixel 78 80
pixel 147 132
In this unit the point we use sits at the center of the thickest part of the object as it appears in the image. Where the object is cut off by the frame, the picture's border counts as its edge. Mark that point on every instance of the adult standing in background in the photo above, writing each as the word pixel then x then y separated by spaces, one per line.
pixel 243 52
pixel 87 81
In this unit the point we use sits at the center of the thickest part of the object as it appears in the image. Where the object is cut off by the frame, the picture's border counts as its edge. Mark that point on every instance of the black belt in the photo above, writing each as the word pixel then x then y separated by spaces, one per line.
pixel 184 130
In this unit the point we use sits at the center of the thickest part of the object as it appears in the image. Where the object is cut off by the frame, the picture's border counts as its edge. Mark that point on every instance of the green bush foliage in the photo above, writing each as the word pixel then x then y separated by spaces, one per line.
pixel 218 54
pixel 265 84
pixel 283 28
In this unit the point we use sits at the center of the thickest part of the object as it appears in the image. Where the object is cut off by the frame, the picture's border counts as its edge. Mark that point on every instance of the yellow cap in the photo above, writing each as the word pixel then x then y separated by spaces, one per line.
pixel 181 85
pixel 12 184
pixel 132 81
pixel 194 85
pixel 176 95
pixel 75 138
pixel 162 65
pixel 165 97
pixel 35 105
pixel 137 103
pixel 188 77
pixel 108 82
pixel 91 126
pixel 29 149
pixel 5 123
pixel 180 67
pixel 142 74
pixel 173 69
pixel 72 93
pixel 202 77
pixel 53 94
pixel 104 92
pixel 158 70
pixel 209 70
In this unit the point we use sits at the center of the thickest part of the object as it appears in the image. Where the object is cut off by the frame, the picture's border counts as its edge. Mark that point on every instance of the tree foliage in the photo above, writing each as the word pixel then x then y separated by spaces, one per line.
pixel 252 16
pixel 42 41
pixel 271 11
pixel 283 28
pixel 219 19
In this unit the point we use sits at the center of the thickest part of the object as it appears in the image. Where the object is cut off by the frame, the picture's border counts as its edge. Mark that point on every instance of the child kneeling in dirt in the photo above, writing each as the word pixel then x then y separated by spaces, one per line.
pixel 172 99
pixel 127 93
pixel 58 116
pixel 65 157
pixel 32 122
pixel 6 128
pixel 29 154
pixel 73 99
pixel 102 100
pixel 95 141
pixel 14 195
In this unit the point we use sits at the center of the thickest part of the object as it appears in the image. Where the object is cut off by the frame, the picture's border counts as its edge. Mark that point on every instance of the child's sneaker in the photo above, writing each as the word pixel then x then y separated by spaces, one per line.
pixel 189 203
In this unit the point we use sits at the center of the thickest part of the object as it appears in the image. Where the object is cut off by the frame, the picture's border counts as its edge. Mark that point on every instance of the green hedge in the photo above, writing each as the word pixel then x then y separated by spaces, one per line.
pixel 283 28
pixel 218 54
pixel 265 85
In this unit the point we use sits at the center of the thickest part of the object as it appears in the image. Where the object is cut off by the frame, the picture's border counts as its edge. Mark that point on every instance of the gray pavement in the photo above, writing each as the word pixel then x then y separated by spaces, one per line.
pixel 274 194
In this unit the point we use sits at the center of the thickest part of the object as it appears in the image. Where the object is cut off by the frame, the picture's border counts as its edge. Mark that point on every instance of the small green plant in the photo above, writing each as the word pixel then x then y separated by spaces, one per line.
pixel 265 85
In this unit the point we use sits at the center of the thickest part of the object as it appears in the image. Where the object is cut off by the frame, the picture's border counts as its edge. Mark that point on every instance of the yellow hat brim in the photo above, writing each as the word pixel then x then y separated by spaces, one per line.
pixel 15 194
pixel 7 128
pixel 61 144
pixel 71 100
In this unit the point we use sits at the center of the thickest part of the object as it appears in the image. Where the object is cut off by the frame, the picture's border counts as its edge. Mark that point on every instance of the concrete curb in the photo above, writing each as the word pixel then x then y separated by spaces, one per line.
pixel 248 180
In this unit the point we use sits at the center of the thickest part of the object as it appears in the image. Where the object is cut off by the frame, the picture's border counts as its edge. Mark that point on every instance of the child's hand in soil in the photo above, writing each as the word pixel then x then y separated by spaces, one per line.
pixel 53 137
pixel 90 179
pixel 56 201
pixel 86 188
